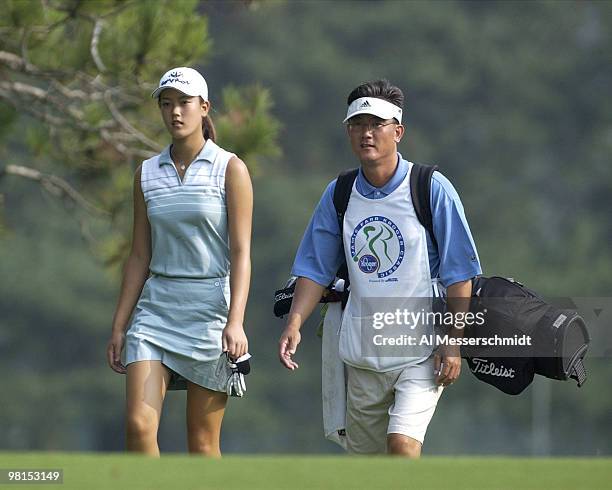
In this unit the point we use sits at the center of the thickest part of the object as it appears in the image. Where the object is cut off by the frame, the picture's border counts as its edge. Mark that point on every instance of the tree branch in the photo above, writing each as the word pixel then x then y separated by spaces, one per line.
pixel 95 39
pixel 127 126
pixel 55 185
pixel 73 116
pixel 96 87
pixel 75 94
pixel 17 63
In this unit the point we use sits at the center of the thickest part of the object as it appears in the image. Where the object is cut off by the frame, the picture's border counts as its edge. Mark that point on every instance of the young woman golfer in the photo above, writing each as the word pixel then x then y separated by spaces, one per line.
pixel 187 276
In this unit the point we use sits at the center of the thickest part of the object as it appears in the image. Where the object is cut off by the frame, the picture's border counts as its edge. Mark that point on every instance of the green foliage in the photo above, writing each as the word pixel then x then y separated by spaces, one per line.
pixel 246 125
pixel 509 99
pixel 88 69
pixel 155 36
pixel 8 115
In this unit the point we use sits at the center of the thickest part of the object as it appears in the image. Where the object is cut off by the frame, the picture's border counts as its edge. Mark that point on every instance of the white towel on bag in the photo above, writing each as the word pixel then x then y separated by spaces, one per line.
pixel 333 383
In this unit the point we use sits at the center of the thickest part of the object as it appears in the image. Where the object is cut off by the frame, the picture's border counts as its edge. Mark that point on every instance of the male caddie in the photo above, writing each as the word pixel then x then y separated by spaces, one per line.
pixel 390 399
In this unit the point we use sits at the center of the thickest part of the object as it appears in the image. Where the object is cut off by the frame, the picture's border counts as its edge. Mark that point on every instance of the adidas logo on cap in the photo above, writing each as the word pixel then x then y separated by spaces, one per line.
pixel 375 106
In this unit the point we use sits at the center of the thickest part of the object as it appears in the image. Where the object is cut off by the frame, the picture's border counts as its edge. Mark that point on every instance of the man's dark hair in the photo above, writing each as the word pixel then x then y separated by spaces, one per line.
pixel 381 89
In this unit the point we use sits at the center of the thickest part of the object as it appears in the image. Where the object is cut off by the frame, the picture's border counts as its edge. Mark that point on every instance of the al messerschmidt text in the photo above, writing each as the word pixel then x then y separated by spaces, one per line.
pixel 411 340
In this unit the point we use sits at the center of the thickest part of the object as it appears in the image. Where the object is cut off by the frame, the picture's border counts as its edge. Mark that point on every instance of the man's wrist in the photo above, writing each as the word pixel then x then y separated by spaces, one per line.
pixel 456 332
pixel 293 322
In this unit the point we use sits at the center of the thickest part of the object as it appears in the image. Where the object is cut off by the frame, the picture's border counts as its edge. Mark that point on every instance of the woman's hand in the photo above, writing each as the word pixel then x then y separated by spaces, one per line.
pixel 234 340
pixel 113 352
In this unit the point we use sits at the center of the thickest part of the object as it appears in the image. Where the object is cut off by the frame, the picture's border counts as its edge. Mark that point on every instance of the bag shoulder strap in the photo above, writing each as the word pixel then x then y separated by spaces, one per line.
pixel 420 191
pixel 342 194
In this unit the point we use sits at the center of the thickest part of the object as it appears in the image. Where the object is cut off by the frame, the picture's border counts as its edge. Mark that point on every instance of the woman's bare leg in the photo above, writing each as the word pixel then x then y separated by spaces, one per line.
pixel 205 409
pixel 146 386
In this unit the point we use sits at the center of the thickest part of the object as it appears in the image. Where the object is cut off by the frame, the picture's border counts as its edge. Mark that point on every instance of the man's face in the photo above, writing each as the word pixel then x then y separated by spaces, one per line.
pixel 372 138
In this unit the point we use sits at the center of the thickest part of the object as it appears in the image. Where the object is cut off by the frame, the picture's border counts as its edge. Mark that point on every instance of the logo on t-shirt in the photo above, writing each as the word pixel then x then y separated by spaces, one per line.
pixel 377 246
pixel 368 263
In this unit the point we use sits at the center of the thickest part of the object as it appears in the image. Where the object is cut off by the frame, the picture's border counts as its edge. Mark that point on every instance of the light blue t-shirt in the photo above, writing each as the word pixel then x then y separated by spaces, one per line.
pixel 320 252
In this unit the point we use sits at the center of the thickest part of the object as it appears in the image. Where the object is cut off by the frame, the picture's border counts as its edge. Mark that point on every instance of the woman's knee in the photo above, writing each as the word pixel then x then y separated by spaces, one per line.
pixel 202 441
pixel 204 447
pixel 141 426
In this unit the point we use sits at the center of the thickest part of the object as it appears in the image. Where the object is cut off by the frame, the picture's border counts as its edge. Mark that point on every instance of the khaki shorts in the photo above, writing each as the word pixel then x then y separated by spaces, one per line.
pixel 396 402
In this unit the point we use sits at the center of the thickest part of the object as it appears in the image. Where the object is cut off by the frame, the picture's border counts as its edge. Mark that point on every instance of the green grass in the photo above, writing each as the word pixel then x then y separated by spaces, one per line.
pixel 123 471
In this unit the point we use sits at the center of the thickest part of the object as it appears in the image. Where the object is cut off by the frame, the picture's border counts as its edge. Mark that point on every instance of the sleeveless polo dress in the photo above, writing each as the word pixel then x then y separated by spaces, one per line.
pixel 183 307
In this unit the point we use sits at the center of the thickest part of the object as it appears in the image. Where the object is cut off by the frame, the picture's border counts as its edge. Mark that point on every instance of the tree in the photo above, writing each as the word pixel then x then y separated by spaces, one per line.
pixel 78 74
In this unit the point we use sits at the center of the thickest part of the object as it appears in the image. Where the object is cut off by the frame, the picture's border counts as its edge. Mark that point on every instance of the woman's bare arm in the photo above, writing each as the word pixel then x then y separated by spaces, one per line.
pixel 239 199
pixel 135 273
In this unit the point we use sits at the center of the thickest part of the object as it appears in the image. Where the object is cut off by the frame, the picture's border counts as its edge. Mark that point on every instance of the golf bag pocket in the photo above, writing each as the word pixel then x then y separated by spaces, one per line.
pixel 284 297
pixel 510 375
pixel 523 333
pixel 562 341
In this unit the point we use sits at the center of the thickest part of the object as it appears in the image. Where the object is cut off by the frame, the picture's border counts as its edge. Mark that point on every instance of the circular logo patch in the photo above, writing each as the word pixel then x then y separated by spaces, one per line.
pixel 368 263
pixel 377 245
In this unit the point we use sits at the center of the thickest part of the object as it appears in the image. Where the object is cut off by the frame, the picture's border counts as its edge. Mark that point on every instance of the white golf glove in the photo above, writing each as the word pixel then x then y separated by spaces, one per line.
pixel 236 385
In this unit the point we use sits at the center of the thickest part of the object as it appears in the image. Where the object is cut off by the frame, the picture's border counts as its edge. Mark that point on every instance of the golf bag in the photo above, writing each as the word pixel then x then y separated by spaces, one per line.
pixel 558 337
pixel 283 297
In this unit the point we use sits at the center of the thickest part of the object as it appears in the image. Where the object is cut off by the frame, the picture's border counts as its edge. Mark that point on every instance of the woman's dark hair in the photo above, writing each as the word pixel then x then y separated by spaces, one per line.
pixel 381 89
pixel 208 128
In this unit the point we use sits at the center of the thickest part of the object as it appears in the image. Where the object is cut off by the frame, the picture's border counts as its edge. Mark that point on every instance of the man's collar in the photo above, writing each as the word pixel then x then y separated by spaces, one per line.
pixel 398 176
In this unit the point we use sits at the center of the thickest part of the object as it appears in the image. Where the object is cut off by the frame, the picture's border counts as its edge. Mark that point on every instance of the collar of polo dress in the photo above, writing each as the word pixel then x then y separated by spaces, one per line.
pixel 182 166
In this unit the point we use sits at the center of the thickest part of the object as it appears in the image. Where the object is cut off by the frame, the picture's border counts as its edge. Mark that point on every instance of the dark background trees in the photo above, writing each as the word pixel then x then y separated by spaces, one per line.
pixel 510 99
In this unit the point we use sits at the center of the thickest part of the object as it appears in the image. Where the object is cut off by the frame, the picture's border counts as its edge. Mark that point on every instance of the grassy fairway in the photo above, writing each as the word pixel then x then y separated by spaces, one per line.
pixel 122 471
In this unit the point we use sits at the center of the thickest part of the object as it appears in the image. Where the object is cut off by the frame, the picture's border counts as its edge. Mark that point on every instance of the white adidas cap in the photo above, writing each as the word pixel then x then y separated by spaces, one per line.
pixel 183 79
pixel 375 106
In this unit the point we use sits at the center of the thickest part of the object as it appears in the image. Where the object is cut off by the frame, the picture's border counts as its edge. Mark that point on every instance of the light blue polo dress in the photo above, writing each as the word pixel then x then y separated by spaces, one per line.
pixel 183 307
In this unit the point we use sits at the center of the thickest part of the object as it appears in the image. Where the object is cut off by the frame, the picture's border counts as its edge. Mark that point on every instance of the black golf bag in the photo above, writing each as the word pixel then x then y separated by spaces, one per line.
pixel 558 337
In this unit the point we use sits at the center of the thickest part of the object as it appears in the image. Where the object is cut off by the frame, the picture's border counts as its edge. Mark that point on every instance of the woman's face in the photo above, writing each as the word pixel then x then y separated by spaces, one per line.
pixel 181 113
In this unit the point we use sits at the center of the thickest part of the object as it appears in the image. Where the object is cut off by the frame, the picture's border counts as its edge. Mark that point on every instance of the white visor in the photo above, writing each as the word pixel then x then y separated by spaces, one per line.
pixel 376 107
